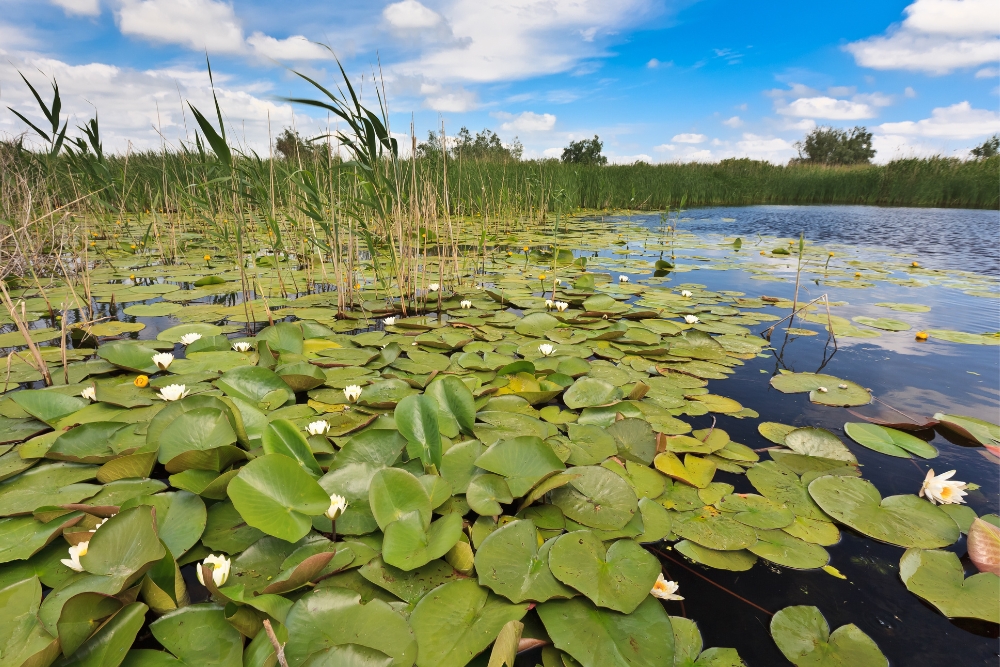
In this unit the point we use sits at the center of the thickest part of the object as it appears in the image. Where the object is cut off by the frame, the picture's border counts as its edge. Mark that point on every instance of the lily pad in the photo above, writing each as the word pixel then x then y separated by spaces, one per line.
pixel 275 495
pixel 794 383
pixel 906 521
pixel 597 498
pixel 756 511
pixel 812 441
pixel 937 576
pixel 522 461
pixel 804 637
pixel 779 547
pixel 889 440
pixel 983 432
pixel 589 392
pixel 511 563
pixel 884 323
pixel 617 577
pixel 736 561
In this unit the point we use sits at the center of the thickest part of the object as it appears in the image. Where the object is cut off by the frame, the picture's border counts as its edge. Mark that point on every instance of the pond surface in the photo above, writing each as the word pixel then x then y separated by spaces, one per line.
pixel 916 378
pixel 872 250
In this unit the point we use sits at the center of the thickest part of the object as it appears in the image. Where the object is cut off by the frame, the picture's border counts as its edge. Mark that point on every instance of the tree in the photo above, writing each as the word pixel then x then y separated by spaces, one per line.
pixel 989 148
pixel 291 146
pixel 585 151
pixel 484 145
pixel 828 145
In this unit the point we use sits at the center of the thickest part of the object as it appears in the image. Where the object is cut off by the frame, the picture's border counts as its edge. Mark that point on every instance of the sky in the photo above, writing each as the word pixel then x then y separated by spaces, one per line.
pixel 656 80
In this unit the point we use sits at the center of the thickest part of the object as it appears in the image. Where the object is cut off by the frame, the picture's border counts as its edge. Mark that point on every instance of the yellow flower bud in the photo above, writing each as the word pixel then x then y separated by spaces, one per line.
pixel 140 381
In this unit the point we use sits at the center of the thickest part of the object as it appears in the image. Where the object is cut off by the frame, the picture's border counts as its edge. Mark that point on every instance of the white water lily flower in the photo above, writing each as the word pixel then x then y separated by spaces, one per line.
pixel 433 287
pixel 163 360
pixel 466 304
pixel 665 590
pixel 389 321
pixel 242 346
pixel 686 293
pixel 189 338
pixel 102 522
pixel 90 393
pixel 941 489
pixel 558 282
pixel 220 569
pixel 352 392
pixel 173 392
pixel 549 303
pixel 691 319
pixel 318 427
pixel 561 306
pixel 623 279
pixel 75 552
pixel 546 349
pixel 337 506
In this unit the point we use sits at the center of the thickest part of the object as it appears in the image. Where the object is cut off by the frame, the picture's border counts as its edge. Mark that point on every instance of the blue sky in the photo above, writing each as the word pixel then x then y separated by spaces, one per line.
pixel 656 80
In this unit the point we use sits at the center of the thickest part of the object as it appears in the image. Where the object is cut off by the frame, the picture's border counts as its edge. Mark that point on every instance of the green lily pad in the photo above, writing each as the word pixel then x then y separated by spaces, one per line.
pixel 889 440
pixel 688 647
pixel 589 392
pixel 962 337
pixel 774 431
pixel 394 493
pixel 597 498
pixel 216 644
pixel 714 530
pixel 49 484
pixel 411 585
pixel 779 547
pixel 133 357
pixel 804 637
pixel 458 620
pixel 884 323
pixel 511 563
pixel 522 461
pixel 275 495
pixel 736 561
pixel 778 483
pixel 938 577
pixel 409 544
pixel 794 383
pixel 756 511
pixel 22 537
pixel 983 432
pixel 417 419
pixel 905 307
pixel 619 577
pixel 258 386
pixel 906 521
pixel 812 441
pixel 597 637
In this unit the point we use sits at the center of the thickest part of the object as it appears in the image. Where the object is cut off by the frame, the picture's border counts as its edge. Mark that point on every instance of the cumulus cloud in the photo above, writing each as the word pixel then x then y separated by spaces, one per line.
pixel 295 47
pixel 657 64
pixel 959 121
pixel 688 138
pixel 450 99
pixel 735 121
pixel 937 37
pixel 410 15
pixel 527 121
pixel 827 108
pixel 498 40
pixel 133 104
pixel 79 7
pixel 988 73
pixel 196 24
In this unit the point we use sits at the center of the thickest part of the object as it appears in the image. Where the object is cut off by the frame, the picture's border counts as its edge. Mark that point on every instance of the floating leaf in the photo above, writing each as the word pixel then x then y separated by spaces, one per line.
pixel 779 547
pixel 804 637
pixel 597 498
pixel 275 495
pixel 884 323
pixel 522 461
pixel 984 546
pixel 511 563
pixel 983 432
pixel 811 441
pixel 889 440
pixel 736 561
pixel 794 383
pixel 937 576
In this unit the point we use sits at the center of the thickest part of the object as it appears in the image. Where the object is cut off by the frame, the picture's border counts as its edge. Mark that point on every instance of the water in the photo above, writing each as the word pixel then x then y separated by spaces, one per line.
pixel 916 378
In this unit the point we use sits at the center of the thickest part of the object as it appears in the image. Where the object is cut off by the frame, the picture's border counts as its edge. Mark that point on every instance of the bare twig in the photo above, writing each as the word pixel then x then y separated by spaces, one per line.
pixel 279 649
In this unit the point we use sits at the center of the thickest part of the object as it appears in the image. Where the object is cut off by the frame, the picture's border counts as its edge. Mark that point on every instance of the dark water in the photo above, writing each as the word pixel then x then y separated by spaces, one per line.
pixel 916 378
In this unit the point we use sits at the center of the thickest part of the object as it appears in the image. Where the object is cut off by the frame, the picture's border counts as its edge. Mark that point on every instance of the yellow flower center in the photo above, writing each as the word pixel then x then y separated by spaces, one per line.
pixel 946 492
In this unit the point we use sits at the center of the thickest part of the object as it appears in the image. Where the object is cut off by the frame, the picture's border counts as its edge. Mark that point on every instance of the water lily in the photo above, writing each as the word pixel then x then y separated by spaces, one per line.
pixel 558 282
pixel 163 360
pixel 189 338
pixel 665 590
pixel 433 287
pixel 352 392
pixel 242 346
pixel 623 279
pixel 686 293
pixel 75 552
pixel 389 321
pixel 942 489
pixel 466 304
pixel 220 569
pixel 546 349
pixel 561 306
pixel 318 427
pixel 100 523
pixel 337 506
pixel 173 392
pixel 691 319
pixel 549 304
pixel 90 393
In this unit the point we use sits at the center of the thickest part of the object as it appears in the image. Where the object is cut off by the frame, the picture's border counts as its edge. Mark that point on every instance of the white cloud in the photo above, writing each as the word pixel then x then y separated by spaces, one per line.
pixel 134 104
pixel 874 99
pixel 295 47
pixel 410 15
pixel 657 64
pixel 196 24
pixel 937 36
pixel 688 138
pixel 959 121
pixel 909 92
pixel 826 108
pixel 664 147
pixel 988 73
pixel 735 121
pixel 552 152
pixel 79 7
pixel 453 99
pixel 499 40
pixel 528 121
pixel 630 159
